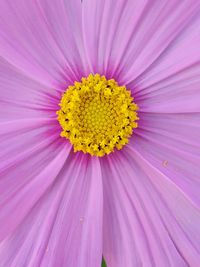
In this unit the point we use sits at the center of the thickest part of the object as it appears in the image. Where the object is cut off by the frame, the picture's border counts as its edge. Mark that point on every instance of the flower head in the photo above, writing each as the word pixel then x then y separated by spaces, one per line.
pixel 99 133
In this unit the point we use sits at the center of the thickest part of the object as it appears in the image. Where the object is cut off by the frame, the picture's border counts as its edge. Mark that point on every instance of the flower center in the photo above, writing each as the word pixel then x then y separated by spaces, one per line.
pixel 97 115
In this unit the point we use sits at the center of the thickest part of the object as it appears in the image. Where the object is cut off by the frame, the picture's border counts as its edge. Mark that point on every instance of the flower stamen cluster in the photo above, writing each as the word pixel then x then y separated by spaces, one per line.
pixel 97 115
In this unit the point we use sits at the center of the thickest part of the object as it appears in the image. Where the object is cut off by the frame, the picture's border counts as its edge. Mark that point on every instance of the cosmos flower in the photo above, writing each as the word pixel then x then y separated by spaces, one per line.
pixel 99 133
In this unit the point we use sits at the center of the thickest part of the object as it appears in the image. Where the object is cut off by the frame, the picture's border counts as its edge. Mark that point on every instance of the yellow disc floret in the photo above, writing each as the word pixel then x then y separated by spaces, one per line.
pixel 97 115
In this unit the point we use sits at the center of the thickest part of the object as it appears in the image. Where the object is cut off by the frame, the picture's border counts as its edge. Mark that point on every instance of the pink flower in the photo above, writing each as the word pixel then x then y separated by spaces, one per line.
pixel 137 206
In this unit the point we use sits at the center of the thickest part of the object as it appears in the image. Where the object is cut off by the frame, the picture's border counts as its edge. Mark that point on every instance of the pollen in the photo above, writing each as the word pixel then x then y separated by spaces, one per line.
pixel 97 115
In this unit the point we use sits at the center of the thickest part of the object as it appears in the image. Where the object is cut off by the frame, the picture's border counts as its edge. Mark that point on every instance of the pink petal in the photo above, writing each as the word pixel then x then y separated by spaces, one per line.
pixel 31 155
pixel 171 84
pixel 178 93
pixel 121 227
pixel 125 41
pixel 43 39
pixel 181 217
pixel 148 220
pixel 178 63
pixel 171 142
pixel 65 227
pixel 22 97
pixel 164 29
pixel 106 33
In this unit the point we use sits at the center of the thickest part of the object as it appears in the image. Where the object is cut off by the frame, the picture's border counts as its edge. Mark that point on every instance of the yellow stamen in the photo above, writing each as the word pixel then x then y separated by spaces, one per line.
pixel 97 115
